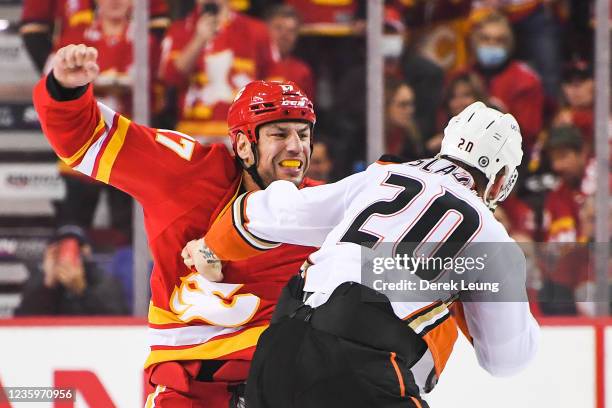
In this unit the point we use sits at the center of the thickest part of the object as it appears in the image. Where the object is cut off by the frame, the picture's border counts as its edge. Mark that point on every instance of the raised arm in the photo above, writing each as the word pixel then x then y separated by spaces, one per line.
pixel 103 144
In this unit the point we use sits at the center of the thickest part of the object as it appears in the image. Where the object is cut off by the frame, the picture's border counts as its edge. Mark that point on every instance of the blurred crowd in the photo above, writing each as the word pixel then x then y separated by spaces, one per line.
pixel 531 58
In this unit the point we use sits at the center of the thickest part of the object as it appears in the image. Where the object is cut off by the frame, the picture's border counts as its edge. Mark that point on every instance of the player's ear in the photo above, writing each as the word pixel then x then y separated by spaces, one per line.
pixel 244 149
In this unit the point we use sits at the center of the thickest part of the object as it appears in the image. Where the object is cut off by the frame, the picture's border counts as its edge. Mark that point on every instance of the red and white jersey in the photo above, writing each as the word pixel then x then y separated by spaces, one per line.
pixel 428 202
pixel 240 53
pixel 38 15
pixel 115 59
pixel 182 186
pixel 562 208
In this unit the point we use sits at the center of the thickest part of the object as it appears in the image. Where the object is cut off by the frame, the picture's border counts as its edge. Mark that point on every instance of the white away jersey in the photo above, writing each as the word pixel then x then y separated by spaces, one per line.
pixel 423 207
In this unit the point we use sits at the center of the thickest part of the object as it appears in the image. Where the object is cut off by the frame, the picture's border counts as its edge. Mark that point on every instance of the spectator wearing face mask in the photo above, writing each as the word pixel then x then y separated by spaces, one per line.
pixel 536 24
pixel 424 78
pixel 516 87
pixel 284 26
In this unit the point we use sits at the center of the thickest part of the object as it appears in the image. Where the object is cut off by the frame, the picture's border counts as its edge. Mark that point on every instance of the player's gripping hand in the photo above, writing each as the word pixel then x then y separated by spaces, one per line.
pixel 75 65
pixel 197 255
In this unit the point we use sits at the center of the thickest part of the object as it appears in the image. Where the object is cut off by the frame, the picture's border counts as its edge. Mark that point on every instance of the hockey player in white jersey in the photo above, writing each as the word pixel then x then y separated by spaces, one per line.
pixel 347 334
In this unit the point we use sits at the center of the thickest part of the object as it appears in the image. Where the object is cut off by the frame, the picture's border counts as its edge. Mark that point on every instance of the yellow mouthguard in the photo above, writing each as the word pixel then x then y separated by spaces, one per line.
pixel 291 163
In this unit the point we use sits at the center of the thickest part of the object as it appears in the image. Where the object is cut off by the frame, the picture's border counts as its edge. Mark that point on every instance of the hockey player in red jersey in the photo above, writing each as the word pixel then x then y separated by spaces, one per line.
pixel 202 334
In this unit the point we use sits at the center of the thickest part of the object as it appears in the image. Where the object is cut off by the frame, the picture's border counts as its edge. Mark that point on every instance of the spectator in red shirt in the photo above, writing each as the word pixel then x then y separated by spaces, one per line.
pixel 578 96
pixel 569 221
pixel 111 32
pixel 40 19
pixel 284 25
pixel 536 24
pixel 516 88
pixel 518 218
pixel 569 160
pixel 209 56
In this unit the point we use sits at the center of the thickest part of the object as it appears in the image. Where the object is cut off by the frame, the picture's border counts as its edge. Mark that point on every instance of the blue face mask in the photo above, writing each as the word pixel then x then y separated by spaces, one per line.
pixel 491 57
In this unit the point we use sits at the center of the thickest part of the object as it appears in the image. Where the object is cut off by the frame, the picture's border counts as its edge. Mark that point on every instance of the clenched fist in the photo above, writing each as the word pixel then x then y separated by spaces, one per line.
pixel 198 256
pixel 75 65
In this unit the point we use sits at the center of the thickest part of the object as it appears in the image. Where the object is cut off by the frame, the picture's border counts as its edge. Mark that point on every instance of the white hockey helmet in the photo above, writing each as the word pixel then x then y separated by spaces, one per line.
pixel 486 140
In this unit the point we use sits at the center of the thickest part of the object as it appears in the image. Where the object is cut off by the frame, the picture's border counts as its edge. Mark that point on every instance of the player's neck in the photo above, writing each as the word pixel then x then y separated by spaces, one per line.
pixel 479 184
pixel 248 183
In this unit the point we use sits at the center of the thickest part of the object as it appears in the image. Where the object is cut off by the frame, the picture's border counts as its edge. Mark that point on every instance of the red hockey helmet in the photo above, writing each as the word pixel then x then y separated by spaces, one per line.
pixel 261 102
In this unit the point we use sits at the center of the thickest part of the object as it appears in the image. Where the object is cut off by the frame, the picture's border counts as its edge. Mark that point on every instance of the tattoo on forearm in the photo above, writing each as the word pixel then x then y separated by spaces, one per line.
pixel 208 255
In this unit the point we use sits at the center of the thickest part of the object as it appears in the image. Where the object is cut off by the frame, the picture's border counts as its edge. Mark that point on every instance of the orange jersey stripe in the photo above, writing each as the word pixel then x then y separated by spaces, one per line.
pixel 416 402
pixel 440 342
pixel 400 379
pixel 459 316
pixel 224 238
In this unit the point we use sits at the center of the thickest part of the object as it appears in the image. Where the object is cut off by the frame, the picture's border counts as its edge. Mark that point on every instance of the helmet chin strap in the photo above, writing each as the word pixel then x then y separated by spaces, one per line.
pixel 252 169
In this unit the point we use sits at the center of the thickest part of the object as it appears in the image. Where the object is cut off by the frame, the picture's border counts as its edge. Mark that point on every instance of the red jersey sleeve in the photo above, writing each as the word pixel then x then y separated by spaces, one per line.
pixel 149 164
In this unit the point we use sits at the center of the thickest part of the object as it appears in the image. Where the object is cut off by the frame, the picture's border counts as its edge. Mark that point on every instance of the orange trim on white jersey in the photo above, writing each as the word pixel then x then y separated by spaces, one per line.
pixel 231 239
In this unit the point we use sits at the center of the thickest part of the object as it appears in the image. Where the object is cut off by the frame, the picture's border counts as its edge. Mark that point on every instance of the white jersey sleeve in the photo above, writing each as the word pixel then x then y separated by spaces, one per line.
pixel 284 213
pixel 504 333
